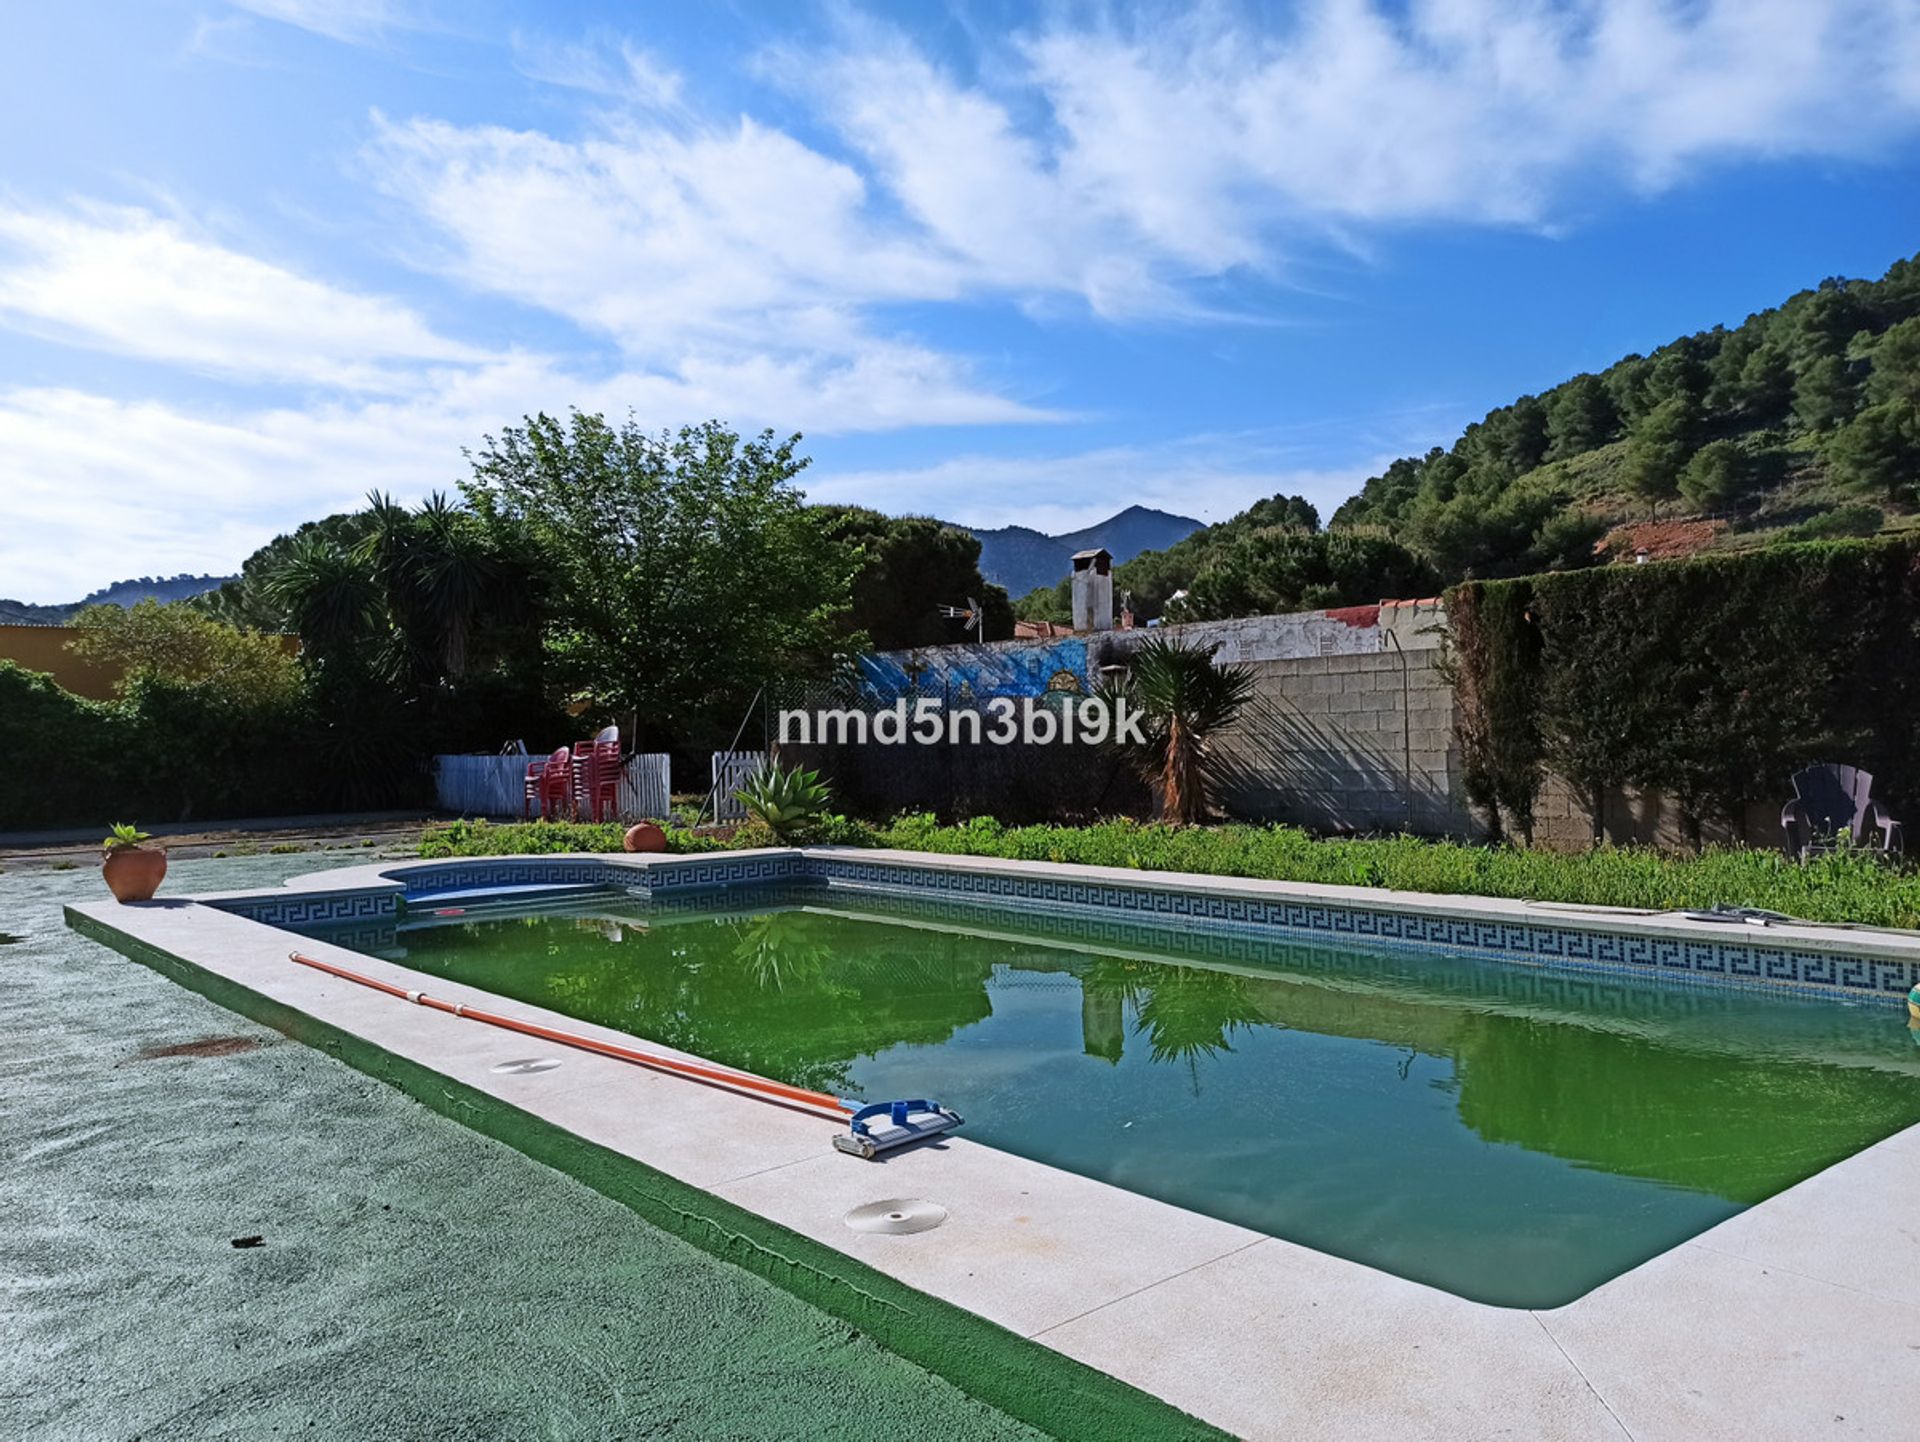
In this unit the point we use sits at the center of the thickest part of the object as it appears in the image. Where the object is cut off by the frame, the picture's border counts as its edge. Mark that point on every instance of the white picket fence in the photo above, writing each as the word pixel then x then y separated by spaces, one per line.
pixel 731 771
pixel 496 785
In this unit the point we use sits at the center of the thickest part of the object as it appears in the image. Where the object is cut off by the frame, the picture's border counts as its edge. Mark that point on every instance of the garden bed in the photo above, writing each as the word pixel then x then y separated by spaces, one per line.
pixel 1846 888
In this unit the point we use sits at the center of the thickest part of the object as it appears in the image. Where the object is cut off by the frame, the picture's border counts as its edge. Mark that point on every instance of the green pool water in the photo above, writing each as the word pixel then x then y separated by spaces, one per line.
pixel 1516 1135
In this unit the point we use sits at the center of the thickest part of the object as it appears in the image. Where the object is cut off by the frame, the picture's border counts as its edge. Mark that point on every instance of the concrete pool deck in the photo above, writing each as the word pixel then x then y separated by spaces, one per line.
pixel 1799 1317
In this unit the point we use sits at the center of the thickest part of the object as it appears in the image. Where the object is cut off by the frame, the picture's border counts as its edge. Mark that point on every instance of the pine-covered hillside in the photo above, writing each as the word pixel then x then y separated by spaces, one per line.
pixel 1800 423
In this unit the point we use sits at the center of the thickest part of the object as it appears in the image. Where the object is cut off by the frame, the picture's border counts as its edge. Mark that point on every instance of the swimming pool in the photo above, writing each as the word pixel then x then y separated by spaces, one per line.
pixel 1515 1135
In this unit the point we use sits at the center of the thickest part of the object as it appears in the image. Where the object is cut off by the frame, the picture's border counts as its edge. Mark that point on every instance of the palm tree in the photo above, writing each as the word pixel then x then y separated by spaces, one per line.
pixel 1185 701
pixel 328 595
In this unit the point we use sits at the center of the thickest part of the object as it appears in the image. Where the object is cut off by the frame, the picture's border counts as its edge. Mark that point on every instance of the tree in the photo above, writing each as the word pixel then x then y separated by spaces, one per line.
pixel 1661 445
pixel 907 568
pixel 1047 603
pixel 1878 452
pixel 1274 571
pixel 178 645
pixel 1186 702
pixel 1895 377
pixel 683 569
pixel 1824 394
pixel 1766 383
pixel 218 709
pixel 1716 477
pixel 1580 417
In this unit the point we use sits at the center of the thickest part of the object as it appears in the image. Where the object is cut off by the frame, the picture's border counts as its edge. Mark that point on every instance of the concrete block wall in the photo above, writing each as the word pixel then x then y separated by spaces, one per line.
pixel 1563 821
pixel 1355 742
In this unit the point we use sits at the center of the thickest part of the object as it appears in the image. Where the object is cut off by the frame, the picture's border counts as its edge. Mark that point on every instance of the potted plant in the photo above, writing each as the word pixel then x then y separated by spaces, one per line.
pixel 132 871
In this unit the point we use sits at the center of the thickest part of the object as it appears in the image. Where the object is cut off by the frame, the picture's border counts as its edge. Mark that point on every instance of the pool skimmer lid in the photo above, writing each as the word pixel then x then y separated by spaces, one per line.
pixel 897 1216
pixel 526 1066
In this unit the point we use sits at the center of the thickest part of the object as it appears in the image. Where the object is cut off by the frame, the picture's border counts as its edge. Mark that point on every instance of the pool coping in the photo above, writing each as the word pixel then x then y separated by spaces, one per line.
pixel 1801 1309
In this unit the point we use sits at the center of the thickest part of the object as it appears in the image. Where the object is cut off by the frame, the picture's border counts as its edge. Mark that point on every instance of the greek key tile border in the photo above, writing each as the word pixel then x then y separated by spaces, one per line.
pixel 1747 961
pixel 313 908
pixel 1743 961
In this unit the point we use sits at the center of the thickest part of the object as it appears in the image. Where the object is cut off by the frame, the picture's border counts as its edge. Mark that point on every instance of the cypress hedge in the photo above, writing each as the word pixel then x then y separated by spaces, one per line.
pixel 1711 680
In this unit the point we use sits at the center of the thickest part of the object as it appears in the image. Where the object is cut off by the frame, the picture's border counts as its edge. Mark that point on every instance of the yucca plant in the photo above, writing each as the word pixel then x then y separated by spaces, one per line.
pixel 784 799
pixel 1185 701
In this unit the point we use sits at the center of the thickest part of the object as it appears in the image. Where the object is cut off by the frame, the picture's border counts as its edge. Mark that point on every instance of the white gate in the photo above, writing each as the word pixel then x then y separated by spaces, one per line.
pixel 496 785
pixel 731 771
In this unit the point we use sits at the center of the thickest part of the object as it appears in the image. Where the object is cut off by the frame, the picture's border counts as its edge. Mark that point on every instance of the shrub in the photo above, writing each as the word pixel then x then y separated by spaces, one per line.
pixel 1843 887
pixel 1711 680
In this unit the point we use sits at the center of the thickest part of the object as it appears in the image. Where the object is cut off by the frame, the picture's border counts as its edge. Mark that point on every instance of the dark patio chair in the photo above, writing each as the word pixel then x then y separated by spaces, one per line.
pixel 1831 801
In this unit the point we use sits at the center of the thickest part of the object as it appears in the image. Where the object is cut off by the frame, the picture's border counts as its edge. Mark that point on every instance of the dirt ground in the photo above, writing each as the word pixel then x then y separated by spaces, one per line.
pixel 383 834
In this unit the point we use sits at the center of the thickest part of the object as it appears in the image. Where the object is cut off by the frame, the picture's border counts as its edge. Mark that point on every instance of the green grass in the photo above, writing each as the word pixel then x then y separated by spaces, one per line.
pixel 1847 887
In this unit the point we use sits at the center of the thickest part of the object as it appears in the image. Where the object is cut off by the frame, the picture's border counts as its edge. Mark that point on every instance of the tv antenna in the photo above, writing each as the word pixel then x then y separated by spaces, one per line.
pixel 969 615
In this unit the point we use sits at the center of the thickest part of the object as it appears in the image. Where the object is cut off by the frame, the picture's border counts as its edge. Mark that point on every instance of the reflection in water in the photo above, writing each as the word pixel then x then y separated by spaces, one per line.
pixel 1514 1134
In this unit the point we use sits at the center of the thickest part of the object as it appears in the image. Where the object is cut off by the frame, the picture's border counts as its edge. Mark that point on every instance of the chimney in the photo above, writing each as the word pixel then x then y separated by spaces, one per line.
pixel 1093 590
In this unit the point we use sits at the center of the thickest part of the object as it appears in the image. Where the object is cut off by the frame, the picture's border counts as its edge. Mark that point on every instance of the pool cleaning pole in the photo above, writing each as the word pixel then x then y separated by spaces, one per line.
pixel 871 1129
pixel 764 1088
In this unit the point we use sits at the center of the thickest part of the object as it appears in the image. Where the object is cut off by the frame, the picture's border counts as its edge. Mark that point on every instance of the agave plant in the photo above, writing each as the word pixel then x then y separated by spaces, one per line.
pixel 784 799
pixel 1185 701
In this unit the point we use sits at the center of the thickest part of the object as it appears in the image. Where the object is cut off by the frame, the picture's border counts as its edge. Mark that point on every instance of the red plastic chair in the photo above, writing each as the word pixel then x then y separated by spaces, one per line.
pixel 603 783
pixel 556 784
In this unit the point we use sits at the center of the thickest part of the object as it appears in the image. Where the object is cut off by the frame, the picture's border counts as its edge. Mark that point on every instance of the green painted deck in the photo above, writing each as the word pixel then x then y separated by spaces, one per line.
pixel 416 1279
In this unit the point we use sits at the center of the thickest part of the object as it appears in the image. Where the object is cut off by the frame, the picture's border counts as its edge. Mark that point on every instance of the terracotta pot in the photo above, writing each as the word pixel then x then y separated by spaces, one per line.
pixel 645 836
pixel 134 873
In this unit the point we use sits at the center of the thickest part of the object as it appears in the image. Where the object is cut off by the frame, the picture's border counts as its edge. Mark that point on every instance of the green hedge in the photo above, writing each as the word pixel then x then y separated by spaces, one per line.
pixel 1711 679
pixel 1841 888
pixel 163 752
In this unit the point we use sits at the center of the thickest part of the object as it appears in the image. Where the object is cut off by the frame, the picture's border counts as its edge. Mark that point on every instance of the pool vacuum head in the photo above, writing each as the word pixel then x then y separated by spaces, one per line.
pixel 904 1122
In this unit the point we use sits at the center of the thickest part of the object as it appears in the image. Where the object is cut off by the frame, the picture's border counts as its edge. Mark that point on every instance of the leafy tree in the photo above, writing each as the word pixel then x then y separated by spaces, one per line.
pixel 1580 417
pixel 1274 571
pixel 683 569
pixel 908 568
pixel 1047 603
pixel 178 645
pixel 1186 702
pixel 218 710
pixel 1151 579
pixel 1878 452
pixel 1716 477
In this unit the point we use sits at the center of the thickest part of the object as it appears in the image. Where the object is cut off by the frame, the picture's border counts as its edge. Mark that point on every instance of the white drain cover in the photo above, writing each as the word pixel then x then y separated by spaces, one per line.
pixel 897 1216
pixel 526 1066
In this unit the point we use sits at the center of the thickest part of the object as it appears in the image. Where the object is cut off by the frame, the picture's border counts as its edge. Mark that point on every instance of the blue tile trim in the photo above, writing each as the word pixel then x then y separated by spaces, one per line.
pixel 1745 960
pixel 718 869
pixel 313 908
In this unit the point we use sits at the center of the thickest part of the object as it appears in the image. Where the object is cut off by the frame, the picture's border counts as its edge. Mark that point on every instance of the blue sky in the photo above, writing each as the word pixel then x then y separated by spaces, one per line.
pixel 998 263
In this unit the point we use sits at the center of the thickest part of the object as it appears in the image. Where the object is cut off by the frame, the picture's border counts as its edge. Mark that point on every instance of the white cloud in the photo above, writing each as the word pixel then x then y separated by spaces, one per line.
pixel 354 21
pixel 98 486
pixel 1480 111
pixel 127 281
pixel 760 272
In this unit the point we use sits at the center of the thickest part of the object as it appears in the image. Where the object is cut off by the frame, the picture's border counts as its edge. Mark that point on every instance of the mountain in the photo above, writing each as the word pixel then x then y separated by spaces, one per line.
pixel 1019 558
pixel 120 593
